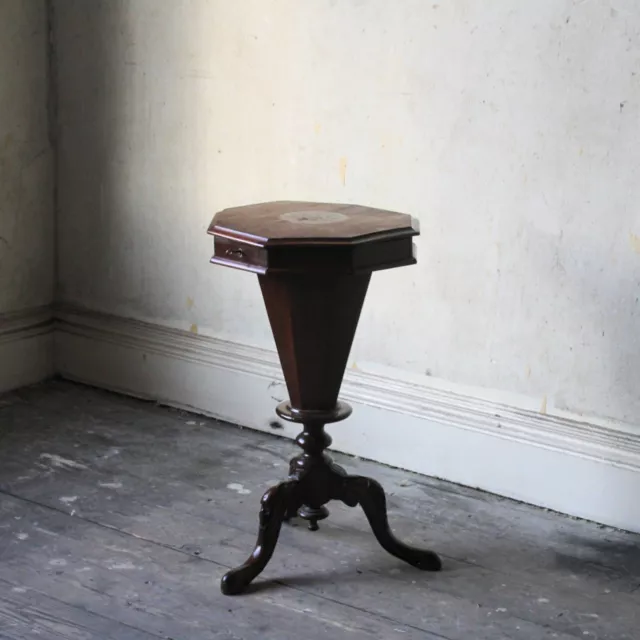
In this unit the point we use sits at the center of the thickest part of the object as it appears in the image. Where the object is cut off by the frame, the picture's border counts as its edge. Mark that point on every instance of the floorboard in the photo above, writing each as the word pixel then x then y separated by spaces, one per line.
pixel 118 517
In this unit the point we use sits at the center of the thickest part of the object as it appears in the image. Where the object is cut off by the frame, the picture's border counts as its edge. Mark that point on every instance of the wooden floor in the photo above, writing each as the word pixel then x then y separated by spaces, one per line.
pixel 118 518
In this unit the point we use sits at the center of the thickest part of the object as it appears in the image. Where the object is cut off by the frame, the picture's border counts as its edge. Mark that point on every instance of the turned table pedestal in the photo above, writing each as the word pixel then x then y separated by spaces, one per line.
pixel 314 262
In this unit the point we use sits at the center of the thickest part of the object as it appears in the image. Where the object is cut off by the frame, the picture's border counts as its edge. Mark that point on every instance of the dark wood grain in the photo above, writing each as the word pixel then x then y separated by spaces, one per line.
pixel 285 223
pixel 314 320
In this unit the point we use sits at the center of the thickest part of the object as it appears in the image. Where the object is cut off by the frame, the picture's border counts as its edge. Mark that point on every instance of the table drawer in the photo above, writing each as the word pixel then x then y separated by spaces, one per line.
pixel 237 254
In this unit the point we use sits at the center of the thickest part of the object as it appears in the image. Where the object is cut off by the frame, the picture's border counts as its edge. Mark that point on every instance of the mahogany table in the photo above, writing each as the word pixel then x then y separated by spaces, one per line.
pixel 314 262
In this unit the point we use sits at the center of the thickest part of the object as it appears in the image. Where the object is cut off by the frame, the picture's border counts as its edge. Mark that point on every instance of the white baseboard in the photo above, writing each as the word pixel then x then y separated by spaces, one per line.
pixel 26 347
pixel 579 468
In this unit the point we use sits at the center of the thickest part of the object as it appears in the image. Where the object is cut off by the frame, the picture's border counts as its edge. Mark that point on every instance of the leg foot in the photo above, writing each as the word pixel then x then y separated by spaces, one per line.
pixel 370 495
pixel 275 504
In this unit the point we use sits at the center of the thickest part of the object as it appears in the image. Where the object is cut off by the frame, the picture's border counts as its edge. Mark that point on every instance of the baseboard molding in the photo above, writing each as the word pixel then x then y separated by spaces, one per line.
pixel 579 468
pixel 26 347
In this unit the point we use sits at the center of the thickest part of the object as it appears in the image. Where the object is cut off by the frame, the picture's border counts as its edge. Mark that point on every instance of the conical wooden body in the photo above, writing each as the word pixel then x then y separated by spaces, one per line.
pixel 314 320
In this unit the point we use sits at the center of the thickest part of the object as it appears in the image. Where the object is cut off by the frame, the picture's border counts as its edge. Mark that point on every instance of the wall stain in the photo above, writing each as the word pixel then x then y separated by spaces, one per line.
pixel 194 328
pixel 343 171
pixel 190 302
pixel 543 407
pixel 635 242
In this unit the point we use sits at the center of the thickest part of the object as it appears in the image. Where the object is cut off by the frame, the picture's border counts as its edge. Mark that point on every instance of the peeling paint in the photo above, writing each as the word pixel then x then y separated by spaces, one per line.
pixel 238 488
pixel 122 566
pixel 112 451
pixel 60 462
pixel 58 562
pixel 45 531
pixel 110 485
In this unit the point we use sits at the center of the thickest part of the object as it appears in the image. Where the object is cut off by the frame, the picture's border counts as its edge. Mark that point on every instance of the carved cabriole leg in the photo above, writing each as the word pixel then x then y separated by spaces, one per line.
pixel 370 495
pixel 273 507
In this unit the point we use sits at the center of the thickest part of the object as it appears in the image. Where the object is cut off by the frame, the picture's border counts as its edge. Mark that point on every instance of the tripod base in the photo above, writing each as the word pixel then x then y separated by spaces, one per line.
pixel 315 480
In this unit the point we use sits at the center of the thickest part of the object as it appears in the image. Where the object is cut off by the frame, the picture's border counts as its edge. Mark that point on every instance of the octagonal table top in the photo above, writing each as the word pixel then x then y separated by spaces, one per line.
pixel 291 222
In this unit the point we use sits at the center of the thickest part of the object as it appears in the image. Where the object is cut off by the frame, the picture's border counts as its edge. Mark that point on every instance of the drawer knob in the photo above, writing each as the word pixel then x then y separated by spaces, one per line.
pixel 236 253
